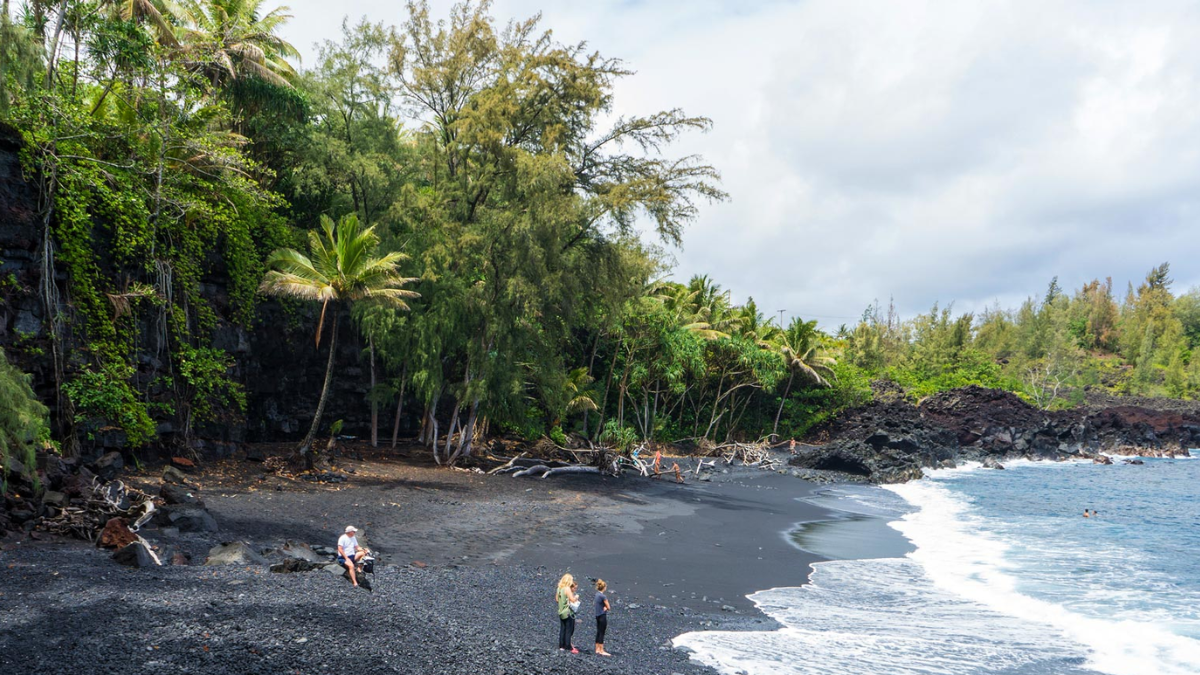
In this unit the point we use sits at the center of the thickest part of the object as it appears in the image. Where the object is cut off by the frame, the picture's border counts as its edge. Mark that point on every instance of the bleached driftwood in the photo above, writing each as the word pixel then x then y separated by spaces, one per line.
pixel 571 469
pixel 532 471
pixel 506 467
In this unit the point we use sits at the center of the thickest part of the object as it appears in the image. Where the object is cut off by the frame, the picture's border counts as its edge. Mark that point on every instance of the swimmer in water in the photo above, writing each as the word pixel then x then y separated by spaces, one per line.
pixel 1087 514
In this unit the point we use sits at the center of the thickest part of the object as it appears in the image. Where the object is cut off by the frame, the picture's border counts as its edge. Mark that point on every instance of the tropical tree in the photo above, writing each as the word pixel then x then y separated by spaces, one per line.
pixel 800 347
pixel 343 269
pixel 227 40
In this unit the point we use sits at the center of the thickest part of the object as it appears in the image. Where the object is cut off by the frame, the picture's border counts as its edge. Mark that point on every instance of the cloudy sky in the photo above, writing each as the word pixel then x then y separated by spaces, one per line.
pixel 950 151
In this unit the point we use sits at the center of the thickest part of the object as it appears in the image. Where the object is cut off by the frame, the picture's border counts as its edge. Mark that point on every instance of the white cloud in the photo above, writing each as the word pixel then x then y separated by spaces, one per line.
pixel 931 151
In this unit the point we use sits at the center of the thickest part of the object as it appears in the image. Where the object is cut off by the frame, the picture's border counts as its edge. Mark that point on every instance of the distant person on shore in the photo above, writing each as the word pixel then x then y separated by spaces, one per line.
pixel 600 608
pixel 349 552
pixel 567 601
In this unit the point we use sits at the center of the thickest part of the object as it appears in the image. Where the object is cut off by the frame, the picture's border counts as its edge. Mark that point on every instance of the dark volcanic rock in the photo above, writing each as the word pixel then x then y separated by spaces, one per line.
pixel 891 440
pixel 296 565
pixel 109 465
pixel 187 518
pixel 176 494
pixel 136 554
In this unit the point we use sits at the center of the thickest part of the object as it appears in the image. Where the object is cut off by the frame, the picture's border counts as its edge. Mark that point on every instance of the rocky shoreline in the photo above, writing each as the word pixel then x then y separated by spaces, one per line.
pixel 892 440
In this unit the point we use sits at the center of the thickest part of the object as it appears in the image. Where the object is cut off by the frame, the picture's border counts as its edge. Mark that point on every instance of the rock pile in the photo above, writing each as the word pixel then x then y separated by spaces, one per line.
pixel 891 440
pixel 86 500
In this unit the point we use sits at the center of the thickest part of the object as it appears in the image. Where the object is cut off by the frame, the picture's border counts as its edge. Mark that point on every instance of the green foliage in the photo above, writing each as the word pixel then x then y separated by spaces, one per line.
pixel 808 407
pixel 205 371
pixel 105 397
pixel 23 419
pixel 617 436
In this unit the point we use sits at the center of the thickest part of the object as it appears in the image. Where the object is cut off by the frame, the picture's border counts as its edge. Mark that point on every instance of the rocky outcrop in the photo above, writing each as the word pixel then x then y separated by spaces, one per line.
pixel 892 440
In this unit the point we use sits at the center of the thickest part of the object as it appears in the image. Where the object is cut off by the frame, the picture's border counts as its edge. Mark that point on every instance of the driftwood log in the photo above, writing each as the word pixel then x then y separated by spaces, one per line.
pixel 104 502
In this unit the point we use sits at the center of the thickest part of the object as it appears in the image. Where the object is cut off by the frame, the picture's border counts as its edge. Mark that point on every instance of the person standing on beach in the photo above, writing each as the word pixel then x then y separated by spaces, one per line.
pixel 566 598
pixel 601 607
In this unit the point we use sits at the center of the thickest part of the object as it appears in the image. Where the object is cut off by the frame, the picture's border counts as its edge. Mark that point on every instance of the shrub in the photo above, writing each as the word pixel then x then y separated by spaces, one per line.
pixel 23 419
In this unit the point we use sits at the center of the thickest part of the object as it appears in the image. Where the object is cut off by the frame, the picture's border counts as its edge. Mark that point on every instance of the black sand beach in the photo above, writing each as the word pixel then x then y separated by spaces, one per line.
pixel 678 558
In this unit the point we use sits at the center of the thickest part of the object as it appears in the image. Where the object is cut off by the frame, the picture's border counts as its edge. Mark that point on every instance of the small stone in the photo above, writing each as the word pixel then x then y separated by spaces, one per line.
pixel 183 463
pixel 728 608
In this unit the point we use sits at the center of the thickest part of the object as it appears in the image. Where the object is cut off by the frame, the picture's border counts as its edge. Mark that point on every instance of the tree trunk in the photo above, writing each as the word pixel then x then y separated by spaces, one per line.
pixel 52 53
pixel 305 447
pixel 450 430
pixel 399 406
pixel 607 384
pixel 787 390
pixel 468 434
pixel 374 399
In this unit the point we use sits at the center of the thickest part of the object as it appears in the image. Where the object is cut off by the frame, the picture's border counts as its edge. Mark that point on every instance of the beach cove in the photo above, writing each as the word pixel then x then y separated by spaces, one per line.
pixel 465 584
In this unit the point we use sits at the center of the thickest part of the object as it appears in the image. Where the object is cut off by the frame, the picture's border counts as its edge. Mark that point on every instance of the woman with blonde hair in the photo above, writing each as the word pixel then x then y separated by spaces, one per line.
pixel 568 601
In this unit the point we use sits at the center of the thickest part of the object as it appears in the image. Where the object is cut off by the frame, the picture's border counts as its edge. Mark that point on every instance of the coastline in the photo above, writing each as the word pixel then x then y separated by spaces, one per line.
pixel 464 555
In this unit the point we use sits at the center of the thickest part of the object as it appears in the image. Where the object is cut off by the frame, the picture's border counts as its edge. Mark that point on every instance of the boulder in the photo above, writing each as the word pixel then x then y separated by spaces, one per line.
pixel 296 565
pixel 14 467
pixel 187 518
pixel 136 554
pixel 234 553
pixel 56 499
pixel 991 463
pixel 302 551
pixel 173 475
pixel 179 495
pixel 1102 459
pixel 109 465
pixel 180 559
pixel 116 534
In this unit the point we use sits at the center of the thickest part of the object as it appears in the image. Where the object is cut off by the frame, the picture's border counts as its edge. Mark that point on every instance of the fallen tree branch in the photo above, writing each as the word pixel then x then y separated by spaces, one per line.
pixel 504 469
pixel 571 469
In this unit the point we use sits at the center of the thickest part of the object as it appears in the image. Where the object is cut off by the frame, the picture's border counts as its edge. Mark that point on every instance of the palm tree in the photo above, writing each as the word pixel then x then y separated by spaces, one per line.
pixel 801 349
pixel 343 269
pixel 227 40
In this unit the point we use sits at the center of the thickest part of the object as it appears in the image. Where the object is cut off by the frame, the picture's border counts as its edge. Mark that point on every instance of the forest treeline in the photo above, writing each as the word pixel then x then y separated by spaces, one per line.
pixel 1051 350
pixel 479 168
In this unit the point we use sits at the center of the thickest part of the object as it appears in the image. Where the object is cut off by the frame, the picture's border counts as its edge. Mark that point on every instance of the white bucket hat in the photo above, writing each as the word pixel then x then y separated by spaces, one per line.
pixel 351 528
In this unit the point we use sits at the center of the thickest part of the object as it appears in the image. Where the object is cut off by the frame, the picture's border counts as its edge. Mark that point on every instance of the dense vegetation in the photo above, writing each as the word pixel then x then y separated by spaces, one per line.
pixel 1050 350
pixel 479 167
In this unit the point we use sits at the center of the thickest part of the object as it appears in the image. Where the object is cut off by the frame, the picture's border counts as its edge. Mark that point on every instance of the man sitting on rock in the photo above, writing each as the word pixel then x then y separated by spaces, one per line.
pixel 350 553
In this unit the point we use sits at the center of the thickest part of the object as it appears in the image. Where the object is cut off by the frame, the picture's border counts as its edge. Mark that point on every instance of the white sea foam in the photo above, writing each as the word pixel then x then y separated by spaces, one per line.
pixel 960 558
pixel 952 607
pixel 878 617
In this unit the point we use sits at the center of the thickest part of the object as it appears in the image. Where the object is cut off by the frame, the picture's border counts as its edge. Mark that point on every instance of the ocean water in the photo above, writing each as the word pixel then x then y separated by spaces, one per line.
pixel 1001 575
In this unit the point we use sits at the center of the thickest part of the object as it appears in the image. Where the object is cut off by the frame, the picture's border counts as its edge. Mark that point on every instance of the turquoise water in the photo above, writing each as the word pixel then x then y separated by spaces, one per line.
pixel 1004 576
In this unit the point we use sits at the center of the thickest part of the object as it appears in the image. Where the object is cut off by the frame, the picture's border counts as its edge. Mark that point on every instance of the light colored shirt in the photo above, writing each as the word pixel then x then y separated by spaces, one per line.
pixel 348 544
